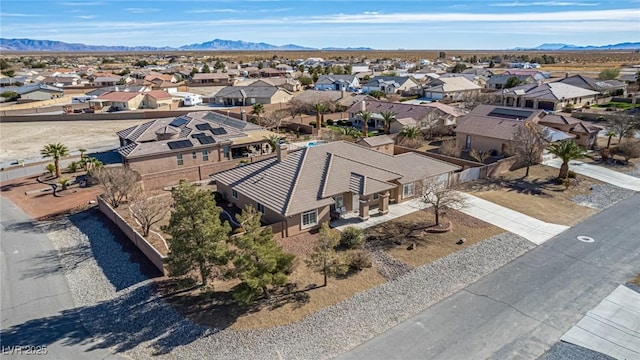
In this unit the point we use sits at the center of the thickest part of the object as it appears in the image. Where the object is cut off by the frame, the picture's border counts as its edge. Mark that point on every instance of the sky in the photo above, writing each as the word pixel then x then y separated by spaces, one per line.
pixel 392 24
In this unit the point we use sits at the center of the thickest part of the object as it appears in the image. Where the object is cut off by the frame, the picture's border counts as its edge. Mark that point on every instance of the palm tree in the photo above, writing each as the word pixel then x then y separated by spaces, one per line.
pixel 610 134
pixel 82 151
pixel 273 141
pixel 366 115
pixel 388 117
pixel 55 151
pixel 257 110
pixel 566 150
pixel 411 132
pixel 321 108
pixel 350 131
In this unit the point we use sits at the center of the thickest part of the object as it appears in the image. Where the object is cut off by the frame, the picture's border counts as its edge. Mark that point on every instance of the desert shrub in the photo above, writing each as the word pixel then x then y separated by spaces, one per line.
pixel 74 166
pixel 572 174
pixel 312 123
pixel 352 237
pixel 217 197
pixel 330 122
pixel 449 148
pixel 359 260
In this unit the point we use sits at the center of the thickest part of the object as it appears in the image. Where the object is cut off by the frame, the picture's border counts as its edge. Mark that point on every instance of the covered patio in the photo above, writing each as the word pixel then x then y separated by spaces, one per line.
pixel 376 216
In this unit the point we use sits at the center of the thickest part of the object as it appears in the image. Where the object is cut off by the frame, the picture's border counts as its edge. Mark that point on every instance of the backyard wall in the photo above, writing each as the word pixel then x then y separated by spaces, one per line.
pixel 11 116
pixel 140 242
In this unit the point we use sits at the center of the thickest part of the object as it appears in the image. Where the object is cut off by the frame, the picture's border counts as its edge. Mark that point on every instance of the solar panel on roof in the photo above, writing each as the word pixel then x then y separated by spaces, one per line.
pixel 179 144
pixel 206 140
pixel 198 135
pixel 203 127
pixel 178 122
pixel 510 113
pixel 218 131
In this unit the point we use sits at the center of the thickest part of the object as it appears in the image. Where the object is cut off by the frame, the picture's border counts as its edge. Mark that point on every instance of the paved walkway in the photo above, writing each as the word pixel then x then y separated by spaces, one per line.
pixel 530 228
pixel 612 327
pixel 395 211
pixel 599 173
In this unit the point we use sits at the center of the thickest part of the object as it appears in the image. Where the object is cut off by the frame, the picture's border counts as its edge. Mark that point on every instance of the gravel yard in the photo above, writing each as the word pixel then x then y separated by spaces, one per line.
pixel 122 311
pixel 602 196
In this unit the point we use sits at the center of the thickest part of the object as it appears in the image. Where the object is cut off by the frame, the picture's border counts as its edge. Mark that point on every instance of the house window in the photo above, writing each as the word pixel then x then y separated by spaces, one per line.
pixel 376 196
pixel 234 193
pixel 205 155
pixel 468 142
pixel 225 151
pixel 194 155
pixel 180 162
pixel 261 208
pixel 407 190
pixel 309 218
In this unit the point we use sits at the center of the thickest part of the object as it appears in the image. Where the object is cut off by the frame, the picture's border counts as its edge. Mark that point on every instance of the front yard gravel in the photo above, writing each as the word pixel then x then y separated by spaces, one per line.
pixel 602 196
pixel 117 303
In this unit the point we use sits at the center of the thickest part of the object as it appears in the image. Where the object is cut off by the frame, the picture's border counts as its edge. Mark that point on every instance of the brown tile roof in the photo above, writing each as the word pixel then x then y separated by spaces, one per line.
pixel 377 140
pixel 307 178
pixel 485 121
pixel 119 96
pixel 159 94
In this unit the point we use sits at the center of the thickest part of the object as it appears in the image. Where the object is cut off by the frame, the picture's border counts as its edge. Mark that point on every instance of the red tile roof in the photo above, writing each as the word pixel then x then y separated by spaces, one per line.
pixel 159 94
pixel 119 96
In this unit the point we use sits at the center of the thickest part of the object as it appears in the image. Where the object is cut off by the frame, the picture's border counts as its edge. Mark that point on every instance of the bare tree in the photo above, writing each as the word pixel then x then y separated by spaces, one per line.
pixel 629 149
pixel 479 155
pixel 471 100
pixel 274 119
pixel 439 195
pixel 119 183
pixel 149 210
pixel 625 125
pixel 528 142
pixel 449 148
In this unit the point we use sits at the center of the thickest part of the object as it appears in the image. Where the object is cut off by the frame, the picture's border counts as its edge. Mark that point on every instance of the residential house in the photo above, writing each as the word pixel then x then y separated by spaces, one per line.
pixel 102 81
pixel 157 99
pixel 212 79
pixel 537 75
pixel 451 89
pixel 61 81
pixel 337 82
pixel 271 72
pixel 391 85
pixel 36 92
pixel 586 134
pixel 300 189
pixel 119 100
pixel 491 128
pixel 606 88
pixel 123 88
pixel 249 95
pixel 159 78
pixel 342 98
pixel 289 84
pixel 499 82
pixel 548 96
pixel 190 147
pixel 478 80
pixel 425 117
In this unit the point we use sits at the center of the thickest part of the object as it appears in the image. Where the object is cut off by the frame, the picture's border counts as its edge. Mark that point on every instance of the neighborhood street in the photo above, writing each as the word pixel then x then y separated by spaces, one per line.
pixel 525 307
pixel 34 289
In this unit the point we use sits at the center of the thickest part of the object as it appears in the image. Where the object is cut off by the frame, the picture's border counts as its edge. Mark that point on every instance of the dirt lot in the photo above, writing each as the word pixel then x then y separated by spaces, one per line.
pixel 537 196
pixel 28 138
pixel 396 235
pixel 42 205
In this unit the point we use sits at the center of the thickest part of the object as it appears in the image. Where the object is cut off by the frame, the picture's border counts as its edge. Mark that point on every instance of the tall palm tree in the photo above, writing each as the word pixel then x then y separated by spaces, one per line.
pixel 82 152
pixel 55 151
pixel 610 134
pixel 566 150
pixel 321 108
pixel 388 117
pixel 411 132
pixel 257 110
pixel 273 141
pixel 366 115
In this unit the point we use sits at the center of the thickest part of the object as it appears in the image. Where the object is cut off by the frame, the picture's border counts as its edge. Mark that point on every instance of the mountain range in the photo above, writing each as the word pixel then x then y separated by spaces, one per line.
pixel 567 47
pixel 217 44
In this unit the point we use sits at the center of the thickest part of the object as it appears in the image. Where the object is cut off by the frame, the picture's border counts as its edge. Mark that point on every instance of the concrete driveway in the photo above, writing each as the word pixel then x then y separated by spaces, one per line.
pixel 530 228
pixel 599 173
pixel 612 327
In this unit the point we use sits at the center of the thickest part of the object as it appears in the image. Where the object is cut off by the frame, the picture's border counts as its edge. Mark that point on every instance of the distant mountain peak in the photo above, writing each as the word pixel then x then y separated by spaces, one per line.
pixel 567 47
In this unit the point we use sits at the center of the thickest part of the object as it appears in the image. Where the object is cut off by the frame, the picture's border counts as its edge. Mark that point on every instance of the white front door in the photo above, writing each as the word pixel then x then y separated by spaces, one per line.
pixel 355 202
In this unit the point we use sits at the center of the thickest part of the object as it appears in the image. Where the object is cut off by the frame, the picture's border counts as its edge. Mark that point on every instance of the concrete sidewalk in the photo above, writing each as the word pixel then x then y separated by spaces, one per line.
pixel 530 228
pixel 612 327
pixel 395 211
pixel 599 173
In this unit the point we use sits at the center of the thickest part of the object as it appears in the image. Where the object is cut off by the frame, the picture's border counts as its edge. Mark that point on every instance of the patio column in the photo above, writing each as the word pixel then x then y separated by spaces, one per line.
pixel 383 203
pixel 364 208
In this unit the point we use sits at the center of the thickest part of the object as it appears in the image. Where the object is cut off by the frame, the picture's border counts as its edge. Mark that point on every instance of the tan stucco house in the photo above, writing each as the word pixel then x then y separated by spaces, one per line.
pixel 299 189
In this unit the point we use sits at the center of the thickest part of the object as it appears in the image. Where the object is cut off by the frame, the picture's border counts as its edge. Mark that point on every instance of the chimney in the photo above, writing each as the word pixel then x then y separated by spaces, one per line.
pixel 566 75
pixel 281 152
pixel 243 115
pixel 363 106
pixel 343 93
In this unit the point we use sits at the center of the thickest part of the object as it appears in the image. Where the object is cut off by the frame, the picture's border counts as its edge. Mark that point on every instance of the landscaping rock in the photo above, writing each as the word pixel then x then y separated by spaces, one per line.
pixel 602 196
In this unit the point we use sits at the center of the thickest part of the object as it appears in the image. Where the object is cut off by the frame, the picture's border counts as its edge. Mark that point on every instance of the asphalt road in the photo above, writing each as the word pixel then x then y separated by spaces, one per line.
pixel 30 298
pixel 522 309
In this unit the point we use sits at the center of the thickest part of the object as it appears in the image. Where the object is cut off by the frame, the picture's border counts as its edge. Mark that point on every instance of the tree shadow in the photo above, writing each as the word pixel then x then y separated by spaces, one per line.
pixel 61 261
pixel 122 324
pixel 38 227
